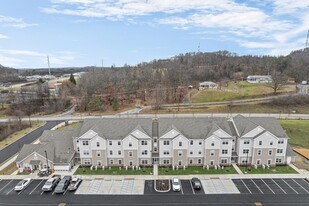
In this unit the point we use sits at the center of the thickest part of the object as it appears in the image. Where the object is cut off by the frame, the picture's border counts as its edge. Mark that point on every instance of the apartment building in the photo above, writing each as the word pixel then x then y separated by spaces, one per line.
pixel 186 141
pixel 182 142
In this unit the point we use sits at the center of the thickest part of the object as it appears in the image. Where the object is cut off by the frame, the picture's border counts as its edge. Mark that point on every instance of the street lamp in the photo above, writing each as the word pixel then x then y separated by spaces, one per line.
pixel 46 161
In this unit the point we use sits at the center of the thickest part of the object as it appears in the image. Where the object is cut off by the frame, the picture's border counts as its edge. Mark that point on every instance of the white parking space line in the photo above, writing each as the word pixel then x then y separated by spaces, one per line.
pixel 289 186
pixel 65 191
pixel 42 193
pixel 192 187
pixel 278 186
pixel 300 186
pixel 257 186
pixel 6 185
pixel 268 186
pixel 35 188
pixel 10 191
pixel 181 188
pixel 246 186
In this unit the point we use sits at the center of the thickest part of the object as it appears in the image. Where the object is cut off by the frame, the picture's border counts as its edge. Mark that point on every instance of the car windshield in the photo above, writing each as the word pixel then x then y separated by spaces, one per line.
pixel 48 183
pixel 21 183
pixel 176 182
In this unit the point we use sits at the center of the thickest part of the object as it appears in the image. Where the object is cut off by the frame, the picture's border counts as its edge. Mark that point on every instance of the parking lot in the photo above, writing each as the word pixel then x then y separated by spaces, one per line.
pixel 272 186
pixel 140 187
pixel 34 188
pixel 111 187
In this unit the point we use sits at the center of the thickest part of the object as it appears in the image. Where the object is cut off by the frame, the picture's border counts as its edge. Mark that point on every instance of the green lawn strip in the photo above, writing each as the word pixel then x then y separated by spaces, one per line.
pixel 113 171
pixel 271 170
pixel 298 132
pixel 196 170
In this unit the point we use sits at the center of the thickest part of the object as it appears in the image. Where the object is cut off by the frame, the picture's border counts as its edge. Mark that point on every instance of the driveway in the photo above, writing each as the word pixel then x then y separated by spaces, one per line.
pixel 9 151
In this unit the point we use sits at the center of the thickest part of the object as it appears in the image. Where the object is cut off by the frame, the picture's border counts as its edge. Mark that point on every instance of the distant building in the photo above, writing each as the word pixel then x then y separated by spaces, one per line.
pixel 303 88
pixel 259 79
pixel 208 85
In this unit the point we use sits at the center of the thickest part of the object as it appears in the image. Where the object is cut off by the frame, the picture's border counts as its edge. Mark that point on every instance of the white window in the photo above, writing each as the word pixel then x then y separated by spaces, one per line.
pixel 85 143
pixel 77 149
pixel 87 161
pixel 280 141
pixel 224 151
pixel 212 153
pixel 110 143
pixel 130 154
pixel 179 162
pixel 119 161
pixel 191 142
pixel 180 144
pixel 278 160
pixel 98 153
pixel 225 142
pixel 144 162
pixel 223 161
pixel 268 162
pixel 98 144
pixel 199 161
pixel 144 152
pixel 258 162
pixel 259 152
pixel 111 162
pixel 130 144
pixel 260 142
pixel 86 152
pixel 166 161
pixel 166 142
pixel 166 152
pixel 270 152
pixel 246 141
pixel 245 151
pixel 200 142
pixel 155 149
pixel 119 152
pixel 119 142
pixel 130 163
pixel 144 142
pixel 212 144
pixel 111 152
pixel 190 161
pixel 179 153
pixel 191 152
pixel 99 162
pixel 271 142
pixel 279 151
pixel 199 152
pixel 211 162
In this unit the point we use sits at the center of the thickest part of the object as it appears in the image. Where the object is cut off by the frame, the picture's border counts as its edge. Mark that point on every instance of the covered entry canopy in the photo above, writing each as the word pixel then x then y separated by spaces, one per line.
pixel 35 162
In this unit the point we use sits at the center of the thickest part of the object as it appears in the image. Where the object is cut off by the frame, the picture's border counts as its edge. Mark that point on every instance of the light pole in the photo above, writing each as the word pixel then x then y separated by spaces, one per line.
pixel 46 161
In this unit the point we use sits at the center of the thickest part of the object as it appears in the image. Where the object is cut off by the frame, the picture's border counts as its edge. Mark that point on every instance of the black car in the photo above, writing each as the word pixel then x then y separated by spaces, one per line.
pixel 196 183
pixel 63 184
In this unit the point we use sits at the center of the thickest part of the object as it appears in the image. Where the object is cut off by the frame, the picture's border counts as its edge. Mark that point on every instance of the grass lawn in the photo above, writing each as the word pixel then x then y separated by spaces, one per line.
pixel 17 135
pixel 113 171
pixel 235 91
pixel 9 169
pixel 195 170
pixel 298 131
pixel 271 170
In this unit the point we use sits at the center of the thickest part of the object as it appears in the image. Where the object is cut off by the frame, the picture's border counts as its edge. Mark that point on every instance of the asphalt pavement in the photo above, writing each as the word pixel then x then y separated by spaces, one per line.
pixel 9 151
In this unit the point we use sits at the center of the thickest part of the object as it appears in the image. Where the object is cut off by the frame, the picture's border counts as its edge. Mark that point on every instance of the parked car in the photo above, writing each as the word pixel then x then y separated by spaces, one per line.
pixel 176 185
pixel 22 184
pixel 50 184
pixel 74 184
pixel 196 183
pixel 43 172
pixel 63 184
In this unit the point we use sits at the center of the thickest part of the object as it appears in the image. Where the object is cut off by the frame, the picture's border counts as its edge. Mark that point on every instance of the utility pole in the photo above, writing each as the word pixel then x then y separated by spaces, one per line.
pixel 46 161
pixel 102 63
pixel 48 66
pixel 198 47
pixel 307 39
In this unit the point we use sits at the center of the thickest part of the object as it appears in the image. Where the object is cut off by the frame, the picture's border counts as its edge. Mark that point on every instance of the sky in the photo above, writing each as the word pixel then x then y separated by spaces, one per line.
pixel 85 32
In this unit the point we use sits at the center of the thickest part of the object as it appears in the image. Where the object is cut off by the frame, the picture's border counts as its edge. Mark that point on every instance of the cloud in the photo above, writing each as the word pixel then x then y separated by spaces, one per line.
pixel 7 21
pixel 13 58
pixel 271 25
pixel 2 36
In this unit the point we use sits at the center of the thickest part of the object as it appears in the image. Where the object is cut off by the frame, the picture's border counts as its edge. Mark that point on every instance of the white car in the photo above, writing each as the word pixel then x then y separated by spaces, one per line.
pixel 22 184
pixel 176 185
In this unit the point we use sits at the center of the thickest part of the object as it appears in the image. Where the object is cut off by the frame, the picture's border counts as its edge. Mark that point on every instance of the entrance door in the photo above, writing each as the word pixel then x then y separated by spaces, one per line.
pixel 155 160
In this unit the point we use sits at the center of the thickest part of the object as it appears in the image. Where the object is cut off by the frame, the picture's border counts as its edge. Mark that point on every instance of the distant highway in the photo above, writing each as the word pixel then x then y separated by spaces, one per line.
pixel 81 117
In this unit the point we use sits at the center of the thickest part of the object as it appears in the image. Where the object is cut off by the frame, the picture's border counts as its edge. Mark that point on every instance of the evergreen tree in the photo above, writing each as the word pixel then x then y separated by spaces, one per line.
pixel 72 79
